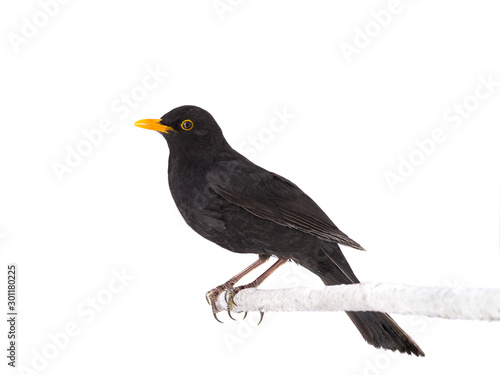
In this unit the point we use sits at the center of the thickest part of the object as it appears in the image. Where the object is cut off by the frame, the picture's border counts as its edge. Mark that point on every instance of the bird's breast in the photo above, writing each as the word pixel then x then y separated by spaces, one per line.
pixel 201 208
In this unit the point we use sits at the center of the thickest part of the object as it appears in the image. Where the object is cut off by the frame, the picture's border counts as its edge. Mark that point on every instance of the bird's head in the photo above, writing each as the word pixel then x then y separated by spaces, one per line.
pixel 187 129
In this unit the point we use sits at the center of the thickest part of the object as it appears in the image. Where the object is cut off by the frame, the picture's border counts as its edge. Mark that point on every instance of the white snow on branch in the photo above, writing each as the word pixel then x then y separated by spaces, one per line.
pixel 441 302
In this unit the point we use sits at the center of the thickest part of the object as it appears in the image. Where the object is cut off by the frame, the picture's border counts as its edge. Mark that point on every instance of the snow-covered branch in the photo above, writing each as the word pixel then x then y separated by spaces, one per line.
pixel 441 302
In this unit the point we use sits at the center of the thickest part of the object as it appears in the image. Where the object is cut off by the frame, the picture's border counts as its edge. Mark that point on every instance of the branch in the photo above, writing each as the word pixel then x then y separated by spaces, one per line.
pixel 441 302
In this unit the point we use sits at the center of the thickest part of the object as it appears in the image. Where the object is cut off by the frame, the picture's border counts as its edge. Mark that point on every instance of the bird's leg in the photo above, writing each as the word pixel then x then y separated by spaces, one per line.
pixel 212 295
pixel 254 284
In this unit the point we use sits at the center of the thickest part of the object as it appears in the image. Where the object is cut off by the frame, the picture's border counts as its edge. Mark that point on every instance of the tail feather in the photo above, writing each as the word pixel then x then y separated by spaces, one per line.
pixel 381 331
pixel 377 328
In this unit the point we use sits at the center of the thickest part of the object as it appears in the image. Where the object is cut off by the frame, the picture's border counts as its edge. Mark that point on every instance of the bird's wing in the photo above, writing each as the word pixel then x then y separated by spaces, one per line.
pixel 274 198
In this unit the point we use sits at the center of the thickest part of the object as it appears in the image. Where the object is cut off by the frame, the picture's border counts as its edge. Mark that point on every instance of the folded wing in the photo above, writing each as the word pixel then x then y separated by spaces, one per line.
pixel 272 197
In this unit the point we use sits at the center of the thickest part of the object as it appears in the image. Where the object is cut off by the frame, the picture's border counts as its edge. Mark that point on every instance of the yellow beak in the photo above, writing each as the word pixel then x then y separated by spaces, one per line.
pixel 154 124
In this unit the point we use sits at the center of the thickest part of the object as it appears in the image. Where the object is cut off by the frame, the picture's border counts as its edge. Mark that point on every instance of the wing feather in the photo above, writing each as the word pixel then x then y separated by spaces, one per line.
pixel 272 197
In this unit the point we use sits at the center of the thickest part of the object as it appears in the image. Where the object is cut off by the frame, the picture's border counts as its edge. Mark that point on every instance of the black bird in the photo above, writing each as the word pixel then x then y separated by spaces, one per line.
pixel 244 208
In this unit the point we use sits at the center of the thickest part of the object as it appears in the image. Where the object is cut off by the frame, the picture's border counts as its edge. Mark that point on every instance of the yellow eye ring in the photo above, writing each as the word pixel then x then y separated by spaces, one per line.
pixel 187 125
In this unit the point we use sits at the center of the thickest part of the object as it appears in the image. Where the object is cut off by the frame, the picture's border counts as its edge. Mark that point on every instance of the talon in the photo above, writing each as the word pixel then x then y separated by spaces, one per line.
pixel 215 316
pixel 244 316
pixel 229 313
pixel 212 296
pixel 230 293
pixel 261 316
pixel 229 300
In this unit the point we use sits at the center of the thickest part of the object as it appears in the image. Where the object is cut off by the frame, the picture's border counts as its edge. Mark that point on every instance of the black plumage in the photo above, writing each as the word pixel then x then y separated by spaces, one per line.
pixel 244 208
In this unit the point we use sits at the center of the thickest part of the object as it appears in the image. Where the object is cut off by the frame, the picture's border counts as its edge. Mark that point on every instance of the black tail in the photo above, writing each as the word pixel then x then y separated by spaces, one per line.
pixel 378 329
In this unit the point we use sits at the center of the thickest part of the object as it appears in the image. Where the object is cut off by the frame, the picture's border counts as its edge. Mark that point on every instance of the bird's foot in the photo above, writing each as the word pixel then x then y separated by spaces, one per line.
pixel 231 293
pixel 212 296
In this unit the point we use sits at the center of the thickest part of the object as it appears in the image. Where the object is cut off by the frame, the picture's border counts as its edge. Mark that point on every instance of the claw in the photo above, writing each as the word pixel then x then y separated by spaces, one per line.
pixel 211 297
pixel 261 316
pixel 215 316
pixel 229 300
pixel 215 311
pixel 230 293
pixel 229 313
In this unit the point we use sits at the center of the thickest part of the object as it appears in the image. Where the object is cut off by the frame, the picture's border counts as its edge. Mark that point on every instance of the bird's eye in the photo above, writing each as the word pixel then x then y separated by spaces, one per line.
pixel 187 125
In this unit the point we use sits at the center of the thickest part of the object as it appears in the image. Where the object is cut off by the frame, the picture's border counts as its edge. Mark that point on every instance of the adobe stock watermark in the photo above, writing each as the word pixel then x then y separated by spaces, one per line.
pixel 86 311
pixel 32 26
pixel 280 120
pixel 223 7
pixel 121 107
pixel 454 117
pixel 364 35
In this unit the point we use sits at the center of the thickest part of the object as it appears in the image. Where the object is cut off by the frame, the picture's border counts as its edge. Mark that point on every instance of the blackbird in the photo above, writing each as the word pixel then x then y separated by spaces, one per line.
pixel 244 208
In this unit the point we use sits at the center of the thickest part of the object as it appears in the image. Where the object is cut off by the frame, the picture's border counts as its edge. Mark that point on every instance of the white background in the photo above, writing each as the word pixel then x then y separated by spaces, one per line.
pixel 353 119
